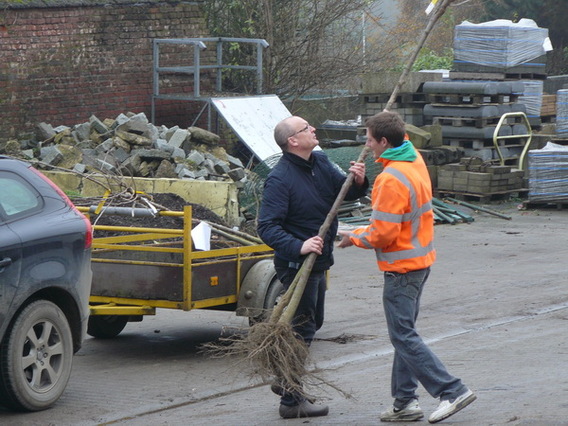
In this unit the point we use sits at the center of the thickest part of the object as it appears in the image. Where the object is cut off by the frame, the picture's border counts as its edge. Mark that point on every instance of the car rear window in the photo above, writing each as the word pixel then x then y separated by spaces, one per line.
pixel 17 197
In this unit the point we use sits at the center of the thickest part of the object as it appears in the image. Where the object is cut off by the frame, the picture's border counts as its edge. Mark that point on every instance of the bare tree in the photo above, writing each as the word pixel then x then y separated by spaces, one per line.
pixel 314 44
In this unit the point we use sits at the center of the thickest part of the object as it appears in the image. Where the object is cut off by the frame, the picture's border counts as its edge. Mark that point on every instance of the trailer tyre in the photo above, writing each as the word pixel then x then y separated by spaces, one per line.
pixel 36 358
pixel 106 326
pixel 273 296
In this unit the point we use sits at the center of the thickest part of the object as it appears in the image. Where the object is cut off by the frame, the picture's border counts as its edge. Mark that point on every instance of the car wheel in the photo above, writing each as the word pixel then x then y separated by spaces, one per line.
pixel 36 358
pixel 106 326
pixel 273 296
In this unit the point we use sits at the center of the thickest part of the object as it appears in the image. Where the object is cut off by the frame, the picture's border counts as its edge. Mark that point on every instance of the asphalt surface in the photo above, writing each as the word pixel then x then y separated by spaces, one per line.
pixel 495 310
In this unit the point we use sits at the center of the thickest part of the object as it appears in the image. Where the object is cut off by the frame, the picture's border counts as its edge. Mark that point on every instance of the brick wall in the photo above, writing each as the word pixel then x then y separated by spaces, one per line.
pixel 61 65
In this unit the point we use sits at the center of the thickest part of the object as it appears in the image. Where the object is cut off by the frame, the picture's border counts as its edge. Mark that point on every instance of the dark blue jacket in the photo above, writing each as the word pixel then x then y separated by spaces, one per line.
pixel 298 195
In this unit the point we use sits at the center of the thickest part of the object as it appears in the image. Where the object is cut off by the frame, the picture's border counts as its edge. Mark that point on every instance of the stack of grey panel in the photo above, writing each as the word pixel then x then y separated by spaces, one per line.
pixel 500 46
pixel 531 97
pixel 548 173
pixel 562 113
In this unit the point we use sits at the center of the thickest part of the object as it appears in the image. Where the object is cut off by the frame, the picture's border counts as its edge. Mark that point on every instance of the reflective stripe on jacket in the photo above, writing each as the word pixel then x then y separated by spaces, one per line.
pixel 402 221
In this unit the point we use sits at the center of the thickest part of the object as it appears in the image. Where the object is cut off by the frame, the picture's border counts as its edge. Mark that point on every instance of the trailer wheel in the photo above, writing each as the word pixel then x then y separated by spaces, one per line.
pixel 36 357
pixel 106 326
pixel 273 296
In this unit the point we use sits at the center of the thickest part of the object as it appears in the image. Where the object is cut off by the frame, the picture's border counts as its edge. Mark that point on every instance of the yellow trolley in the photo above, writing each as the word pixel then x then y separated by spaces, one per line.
pixel 137 270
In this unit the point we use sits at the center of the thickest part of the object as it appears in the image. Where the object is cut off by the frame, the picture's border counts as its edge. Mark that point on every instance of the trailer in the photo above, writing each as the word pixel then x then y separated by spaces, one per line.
pixel 137 270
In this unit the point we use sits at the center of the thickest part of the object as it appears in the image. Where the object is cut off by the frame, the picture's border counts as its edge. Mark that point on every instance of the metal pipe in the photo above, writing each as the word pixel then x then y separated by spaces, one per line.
pixel 481 209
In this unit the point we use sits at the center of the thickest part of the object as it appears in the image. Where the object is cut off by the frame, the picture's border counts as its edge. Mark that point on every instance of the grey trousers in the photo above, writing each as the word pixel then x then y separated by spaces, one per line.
pixel 413 360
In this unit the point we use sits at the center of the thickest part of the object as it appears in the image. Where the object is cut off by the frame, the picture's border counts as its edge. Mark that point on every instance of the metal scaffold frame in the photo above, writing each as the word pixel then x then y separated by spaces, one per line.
pixel 195 70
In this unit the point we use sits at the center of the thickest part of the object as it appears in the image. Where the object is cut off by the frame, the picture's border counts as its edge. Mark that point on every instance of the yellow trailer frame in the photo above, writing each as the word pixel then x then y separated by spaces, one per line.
pixel 142 269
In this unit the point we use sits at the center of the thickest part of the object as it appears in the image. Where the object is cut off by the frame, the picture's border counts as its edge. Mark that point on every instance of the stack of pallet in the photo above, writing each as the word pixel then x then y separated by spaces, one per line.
pixel 409 103
pixel 469 113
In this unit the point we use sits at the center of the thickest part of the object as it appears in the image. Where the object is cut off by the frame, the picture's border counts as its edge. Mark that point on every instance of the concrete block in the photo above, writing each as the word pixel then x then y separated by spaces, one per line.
pixel 196 157
pixel 178 138
pixel 106 146
pixel 435 131
pixel 154 154
pixel 479 188
pixel 51 155
pixel 133 138
pixel 203 136
pixel 209 166
pixel 166 133
pixel 445 183
pixel 97 125
pixel 419 137
pixel 478 178
pixel 163 145
pixel 427 156
pixel 80 168
pixel 221 167
pixel 28 153
pixel 178 153
pixel 105 166
pixel 457 167
pixel 433 172
pixel 120 155
pixel 185 173
pixel 237 174
pixel 45 131
pixel 120 119
pixel 234 162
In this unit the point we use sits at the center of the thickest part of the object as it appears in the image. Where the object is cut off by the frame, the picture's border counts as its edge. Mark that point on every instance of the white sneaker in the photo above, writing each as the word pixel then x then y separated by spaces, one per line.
pixel 409 413
pixel 449 407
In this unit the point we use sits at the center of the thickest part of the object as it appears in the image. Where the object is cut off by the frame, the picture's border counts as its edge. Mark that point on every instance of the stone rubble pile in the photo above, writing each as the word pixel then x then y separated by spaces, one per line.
pixel 130 145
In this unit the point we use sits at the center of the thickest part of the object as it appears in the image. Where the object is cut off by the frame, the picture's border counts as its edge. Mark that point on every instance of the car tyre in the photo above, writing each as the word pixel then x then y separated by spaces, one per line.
pixel 106 326
pixel 36 358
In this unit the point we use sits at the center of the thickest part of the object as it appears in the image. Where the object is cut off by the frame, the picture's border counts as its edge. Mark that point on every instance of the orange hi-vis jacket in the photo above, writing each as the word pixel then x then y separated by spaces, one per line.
pixel 402 220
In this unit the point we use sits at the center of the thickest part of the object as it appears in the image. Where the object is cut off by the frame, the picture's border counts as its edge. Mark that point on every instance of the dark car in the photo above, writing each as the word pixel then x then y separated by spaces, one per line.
pixel 45 282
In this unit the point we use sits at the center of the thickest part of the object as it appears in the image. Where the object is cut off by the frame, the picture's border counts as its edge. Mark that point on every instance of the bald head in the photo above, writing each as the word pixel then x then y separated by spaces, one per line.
pixel 282 132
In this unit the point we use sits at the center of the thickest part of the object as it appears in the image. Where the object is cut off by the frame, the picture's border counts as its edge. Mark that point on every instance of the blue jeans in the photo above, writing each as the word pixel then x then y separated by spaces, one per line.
pixel 309 314
pixel 413 361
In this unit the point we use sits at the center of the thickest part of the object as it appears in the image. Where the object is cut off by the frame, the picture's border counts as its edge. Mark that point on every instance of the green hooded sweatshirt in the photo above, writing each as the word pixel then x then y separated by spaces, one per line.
pixel 404 152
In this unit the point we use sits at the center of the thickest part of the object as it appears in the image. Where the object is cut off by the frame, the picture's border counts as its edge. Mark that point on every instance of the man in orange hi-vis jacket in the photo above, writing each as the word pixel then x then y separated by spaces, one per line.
pixel 401 232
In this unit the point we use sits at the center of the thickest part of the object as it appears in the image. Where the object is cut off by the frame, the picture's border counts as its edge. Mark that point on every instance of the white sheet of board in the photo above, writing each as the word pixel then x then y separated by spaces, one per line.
pixel 253 119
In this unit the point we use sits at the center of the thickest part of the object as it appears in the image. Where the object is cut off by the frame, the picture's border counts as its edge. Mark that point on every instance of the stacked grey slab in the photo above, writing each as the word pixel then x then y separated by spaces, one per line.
pixel 562 113
pixel 548 174
pixel 500 46
pixel 469 111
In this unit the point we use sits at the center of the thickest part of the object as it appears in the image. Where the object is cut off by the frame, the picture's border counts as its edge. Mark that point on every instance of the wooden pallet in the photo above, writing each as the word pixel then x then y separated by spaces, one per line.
pixel 558 205
pixel 402 98
pixel 525 76
pixel 482 198
pixel 440 99
pixel 548 119
pixel 496 75
pixel 478 122
pixel 467 143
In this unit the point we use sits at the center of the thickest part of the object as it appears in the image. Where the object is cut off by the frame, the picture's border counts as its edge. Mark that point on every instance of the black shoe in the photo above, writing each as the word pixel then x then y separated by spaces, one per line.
pixel 277 388
pixel 303 409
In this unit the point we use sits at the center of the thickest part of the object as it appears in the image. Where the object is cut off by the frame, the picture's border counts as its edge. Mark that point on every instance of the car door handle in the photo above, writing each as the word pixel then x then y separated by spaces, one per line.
pixel 5 262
